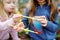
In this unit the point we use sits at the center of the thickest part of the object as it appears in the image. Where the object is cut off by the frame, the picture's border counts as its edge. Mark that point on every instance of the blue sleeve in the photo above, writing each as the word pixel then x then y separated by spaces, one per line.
pixel 53 26
pixel 25 20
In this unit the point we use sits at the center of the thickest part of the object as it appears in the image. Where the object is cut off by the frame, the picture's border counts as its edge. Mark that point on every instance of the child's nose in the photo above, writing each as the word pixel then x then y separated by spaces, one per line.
pixel 12 5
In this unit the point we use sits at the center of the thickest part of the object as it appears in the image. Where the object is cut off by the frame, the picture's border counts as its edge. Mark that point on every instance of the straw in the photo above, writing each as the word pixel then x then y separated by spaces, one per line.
pixel 27 30
pixel 27 16
pixel 31 18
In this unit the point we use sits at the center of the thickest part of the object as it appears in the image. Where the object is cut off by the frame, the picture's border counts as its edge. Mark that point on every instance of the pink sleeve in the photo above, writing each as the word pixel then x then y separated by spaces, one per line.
pixel 4 25
pixel 14 34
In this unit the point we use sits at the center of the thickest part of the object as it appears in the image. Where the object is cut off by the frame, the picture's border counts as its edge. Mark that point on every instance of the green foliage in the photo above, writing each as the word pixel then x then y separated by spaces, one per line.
pixel 59 23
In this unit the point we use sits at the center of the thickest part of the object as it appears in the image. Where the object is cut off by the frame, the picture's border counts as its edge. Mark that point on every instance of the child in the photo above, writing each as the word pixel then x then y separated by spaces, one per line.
pixel 46 11
pixel 7 17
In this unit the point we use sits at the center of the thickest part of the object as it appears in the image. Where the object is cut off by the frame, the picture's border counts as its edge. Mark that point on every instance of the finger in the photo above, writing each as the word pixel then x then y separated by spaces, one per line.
pixel 19 29
pixel 43 17
pixel 21 24
pixel 15 27
pixel 38 17
pixel 43 22
pixel 40 20
pixel 18 15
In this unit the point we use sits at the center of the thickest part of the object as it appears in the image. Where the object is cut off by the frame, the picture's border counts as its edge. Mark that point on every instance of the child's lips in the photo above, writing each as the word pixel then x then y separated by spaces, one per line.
pixel 40 0
pixel 11 8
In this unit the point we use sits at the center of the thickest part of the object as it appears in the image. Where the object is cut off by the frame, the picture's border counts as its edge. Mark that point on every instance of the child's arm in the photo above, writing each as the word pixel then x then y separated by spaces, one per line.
pixel 53 26
pixel 4 25
pixel 14 34
pixel 49 25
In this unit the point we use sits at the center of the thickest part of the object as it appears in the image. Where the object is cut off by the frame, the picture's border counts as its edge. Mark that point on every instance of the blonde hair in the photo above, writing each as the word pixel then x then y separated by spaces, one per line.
pixel 2 11
pixel 51 5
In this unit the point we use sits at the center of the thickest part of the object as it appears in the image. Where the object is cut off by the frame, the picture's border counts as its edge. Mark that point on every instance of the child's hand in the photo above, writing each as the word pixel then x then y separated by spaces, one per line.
pixel 17 17
pixel 19 27
pixel 42 20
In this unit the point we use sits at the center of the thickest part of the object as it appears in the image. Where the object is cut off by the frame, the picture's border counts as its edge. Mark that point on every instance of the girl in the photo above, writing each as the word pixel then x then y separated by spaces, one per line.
pixel 46 12
pixel 7 17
